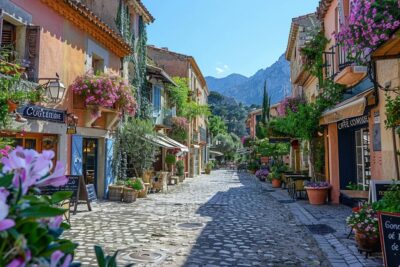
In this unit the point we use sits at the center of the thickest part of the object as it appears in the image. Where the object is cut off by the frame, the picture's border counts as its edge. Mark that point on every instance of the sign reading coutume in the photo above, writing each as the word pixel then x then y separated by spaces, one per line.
pixel 353 122
pixel 41 113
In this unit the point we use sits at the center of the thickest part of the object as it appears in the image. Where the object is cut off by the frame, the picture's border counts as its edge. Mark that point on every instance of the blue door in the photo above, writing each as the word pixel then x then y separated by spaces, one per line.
pixel 76 155
pixel 108 173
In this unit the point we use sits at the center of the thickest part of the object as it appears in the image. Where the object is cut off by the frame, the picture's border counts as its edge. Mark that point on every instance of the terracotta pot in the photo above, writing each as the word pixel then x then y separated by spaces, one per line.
pixel 12 106
pixel 276 183
pixel 317 196
pixel 207 171
pixel 143 193
pixel 367 242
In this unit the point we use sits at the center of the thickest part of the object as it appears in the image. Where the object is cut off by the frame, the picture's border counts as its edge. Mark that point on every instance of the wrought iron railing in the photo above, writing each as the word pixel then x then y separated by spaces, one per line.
pixel 336 59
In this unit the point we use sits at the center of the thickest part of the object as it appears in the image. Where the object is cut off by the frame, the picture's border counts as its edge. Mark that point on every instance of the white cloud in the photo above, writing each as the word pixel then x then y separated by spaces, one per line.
pixel 221 68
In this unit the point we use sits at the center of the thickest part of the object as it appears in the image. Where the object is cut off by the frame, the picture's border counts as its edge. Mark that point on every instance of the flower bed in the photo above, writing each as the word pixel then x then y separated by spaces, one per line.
pixel 105 90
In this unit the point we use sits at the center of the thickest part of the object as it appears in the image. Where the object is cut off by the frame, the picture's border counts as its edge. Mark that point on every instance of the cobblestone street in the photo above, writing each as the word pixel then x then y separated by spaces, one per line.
pixel 224 219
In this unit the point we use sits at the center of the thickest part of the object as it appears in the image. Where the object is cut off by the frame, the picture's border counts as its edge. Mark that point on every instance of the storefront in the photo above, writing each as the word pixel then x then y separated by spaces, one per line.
pixel 351 139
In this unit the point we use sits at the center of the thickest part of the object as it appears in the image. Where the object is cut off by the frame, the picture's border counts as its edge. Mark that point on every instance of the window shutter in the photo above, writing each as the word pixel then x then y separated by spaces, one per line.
pixel 32 51
pixel 1 24
pixel 156 99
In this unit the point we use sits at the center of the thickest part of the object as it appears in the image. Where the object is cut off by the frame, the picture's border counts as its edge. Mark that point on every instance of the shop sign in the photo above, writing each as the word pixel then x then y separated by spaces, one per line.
pixel 41 113
pixel 353 122
pixel 389 232
pixel 378 188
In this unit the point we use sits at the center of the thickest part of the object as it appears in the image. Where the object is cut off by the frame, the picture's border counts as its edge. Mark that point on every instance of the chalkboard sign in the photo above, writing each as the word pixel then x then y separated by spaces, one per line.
pixel 389 231
pixel 91 192
pixel 72 185
pixel 379 187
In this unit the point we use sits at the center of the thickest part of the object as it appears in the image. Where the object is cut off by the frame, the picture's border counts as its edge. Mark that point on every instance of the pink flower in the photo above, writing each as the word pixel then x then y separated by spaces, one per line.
pixel 18 262
pixel 56 257
pixel 57 178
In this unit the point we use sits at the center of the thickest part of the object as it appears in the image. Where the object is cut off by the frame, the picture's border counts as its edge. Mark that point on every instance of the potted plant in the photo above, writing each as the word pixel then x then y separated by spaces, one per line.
pixel 131 189
pixel 180 170
pixel 262 174
pixel 115 191
pixel 208 168
pixel 317 192
pixel 170 160
pixel 275 177
pixel 364 221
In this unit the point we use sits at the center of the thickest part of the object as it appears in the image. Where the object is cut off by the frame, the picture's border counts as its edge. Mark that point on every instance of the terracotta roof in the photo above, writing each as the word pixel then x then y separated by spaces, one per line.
pixel 306 21
pixel 323 8
pixel 190 59
pixel 145 12
pixel 85 19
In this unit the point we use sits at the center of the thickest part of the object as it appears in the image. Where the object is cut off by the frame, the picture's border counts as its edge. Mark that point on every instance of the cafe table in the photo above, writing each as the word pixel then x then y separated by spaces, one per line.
pixel 296 183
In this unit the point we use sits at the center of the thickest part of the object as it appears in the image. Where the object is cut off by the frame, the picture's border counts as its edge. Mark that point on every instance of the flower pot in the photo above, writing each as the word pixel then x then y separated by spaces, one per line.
pixel 115 192
pixel 207 171
pixel 129 195
pixel 181 178
pixel 276 183
pixel 143 193
pixel 12 106
pixel 366 242
pixel 317 196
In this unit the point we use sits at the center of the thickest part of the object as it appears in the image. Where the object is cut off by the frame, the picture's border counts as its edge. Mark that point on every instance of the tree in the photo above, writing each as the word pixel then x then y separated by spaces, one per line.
pixel 266 105
pixel 217 125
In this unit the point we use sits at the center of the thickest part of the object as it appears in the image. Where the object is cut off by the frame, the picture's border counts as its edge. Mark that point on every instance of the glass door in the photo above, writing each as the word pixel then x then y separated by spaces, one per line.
pixel 363 158
pixel 89 161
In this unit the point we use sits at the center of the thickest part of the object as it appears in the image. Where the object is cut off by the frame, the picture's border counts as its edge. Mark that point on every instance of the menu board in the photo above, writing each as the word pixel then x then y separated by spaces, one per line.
pixel 91 192
pixel 389 231
pixel 72 185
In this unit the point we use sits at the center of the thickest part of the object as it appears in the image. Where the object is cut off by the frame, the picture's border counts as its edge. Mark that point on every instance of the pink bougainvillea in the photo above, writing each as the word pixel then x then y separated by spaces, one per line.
pixel 289 104
pixel 370 23
pixel 105 90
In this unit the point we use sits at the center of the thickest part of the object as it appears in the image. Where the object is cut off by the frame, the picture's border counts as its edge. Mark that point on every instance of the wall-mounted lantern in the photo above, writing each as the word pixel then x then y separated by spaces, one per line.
pixel 55 89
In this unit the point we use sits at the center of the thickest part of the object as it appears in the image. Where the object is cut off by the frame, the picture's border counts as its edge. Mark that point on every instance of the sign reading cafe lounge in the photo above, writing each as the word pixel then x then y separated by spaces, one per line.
pixel 353 122
pixel 41 113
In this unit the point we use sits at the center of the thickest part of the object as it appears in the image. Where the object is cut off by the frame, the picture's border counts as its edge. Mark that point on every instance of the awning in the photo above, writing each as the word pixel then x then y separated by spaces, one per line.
pixel 174 143
pixel 158 141
pixel 217 153
pixel 352 107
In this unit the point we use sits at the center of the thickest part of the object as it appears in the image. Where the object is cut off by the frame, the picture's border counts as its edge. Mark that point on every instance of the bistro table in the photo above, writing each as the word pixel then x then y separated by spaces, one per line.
pixel 296 183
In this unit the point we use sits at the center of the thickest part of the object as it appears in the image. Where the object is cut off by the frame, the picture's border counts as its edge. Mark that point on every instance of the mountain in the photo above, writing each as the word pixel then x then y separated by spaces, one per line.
pixel 250 90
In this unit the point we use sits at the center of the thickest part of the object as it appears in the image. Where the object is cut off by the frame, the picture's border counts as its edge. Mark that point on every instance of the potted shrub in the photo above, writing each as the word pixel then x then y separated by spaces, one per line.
pixel 170 160
pixel 262 174
pixel 131 189
pixel 364 221
pixel 317 192
pixel 115 191
pixel 180 170
pixel 275 177
pixel 208 168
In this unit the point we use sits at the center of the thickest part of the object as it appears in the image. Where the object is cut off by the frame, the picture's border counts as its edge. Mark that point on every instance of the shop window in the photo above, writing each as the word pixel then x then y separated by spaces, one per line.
pixel 363 158
pixel 97 64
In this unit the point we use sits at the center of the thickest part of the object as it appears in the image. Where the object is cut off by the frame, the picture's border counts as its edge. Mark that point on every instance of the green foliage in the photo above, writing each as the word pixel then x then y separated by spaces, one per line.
pixel 227 144
pixel 392 111
pixel 390 201
pixel 353 186
pixel 253 165
pixel 170 159
pixel 136 184
pixel 217 125
pixel 178 94
pixel 319 156
pixel 267 149
pixel 261 130
pixel 266 105
pixel 232 113
pixel 192 109
pixel 313 55
pixel 277 169
pixel 106 261
pixel 132 143
pixel 180 168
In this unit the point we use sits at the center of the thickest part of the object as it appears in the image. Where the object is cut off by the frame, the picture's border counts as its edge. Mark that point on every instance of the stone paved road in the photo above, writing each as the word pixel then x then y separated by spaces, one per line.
pixel 235 222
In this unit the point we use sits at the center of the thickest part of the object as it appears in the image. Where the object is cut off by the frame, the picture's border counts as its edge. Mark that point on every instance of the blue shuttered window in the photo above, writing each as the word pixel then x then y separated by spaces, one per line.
pixel 108 173
pixel 76 155
pixel 156 100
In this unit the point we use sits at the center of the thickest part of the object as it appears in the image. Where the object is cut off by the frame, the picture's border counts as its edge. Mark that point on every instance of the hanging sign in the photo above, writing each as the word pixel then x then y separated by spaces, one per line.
pixel 353 122
pixel 389 232
pixel 41 113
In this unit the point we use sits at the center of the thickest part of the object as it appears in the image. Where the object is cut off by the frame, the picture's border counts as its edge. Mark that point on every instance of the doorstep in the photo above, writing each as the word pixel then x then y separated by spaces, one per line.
pixel 339 250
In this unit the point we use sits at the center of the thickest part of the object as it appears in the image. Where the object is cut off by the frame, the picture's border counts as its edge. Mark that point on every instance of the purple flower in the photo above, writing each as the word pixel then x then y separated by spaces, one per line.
pixel 57 178
pixel 55 222
pixel 56 257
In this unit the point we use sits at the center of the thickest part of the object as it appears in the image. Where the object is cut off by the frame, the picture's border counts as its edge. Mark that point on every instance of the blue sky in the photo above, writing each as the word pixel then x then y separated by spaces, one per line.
pixel 226 36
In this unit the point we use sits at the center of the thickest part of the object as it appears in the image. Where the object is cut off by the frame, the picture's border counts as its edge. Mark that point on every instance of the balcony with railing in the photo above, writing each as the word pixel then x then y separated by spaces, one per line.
pixel 163 117
pixel 341 68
